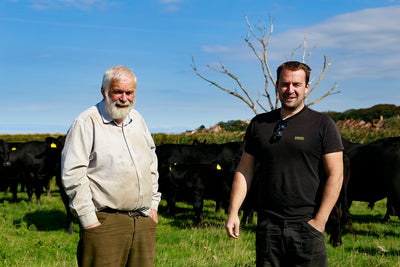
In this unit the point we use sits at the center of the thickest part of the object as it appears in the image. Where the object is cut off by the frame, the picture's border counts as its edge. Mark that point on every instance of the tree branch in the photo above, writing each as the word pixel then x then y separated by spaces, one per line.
pixel 263 37
pixel 326 66
pixel 248 101
pixel 325 95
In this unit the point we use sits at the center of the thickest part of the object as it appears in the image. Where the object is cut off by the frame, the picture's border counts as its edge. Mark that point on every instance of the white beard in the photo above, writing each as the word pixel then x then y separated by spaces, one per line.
pixel 117 113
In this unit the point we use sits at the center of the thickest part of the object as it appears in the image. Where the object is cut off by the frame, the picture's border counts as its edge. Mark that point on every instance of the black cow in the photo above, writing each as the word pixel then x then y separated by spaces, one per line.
pixel 340 214
pixel 220 187
pixel 51 166
pixel 188 182
pixel 9 175
pixel 6 172
pixel 3 152
pixel 207 168
pixel 36 163
pixel 375 172
pixel 25 159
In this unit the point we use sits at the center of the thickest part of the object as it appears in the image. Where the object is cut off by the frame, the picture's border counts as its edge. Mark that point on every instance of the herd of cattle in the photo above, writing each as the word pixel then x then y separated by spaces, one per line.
pixel 201 171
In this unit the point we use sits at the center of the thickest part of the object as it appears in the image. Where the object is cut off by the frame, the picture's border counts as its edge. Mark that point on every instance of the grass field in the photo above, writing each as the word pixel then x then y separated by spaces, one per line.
pixel 33 235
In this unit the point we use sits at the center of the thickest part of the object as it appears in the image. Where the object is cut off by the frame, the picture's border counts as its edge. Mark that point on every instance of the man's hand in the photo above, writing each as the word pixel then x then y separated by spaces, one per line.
pixel 232 226
pixel 320 226
pixel 154 215
pixel 93 225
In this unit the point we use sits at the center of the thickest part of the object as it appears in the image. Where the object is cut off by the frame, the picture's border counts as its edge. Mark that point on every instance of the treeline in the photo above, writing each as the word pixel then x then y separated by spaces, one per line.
pixel 159 138
pixel 373 114
pixel 367 114
pixel 353 134
pixel 234 130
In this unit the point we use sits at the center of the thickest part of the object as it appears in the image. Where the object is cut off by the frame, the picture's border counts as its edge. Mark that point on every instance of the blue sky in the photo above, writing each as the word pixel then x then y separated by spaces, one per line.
pixel 53 54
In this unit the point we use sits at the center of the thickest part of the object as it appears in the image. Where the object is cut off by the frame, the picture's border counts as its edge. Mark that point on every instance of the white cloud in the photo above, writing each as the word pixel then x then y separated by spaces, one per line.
pixel 367 29
pixel 171 6
pixel 363 43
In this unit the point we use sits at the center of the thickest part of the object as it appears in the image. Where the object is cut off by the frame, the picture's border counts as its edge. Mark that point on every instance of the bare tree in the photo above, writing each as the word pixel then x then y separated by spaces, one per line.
pixel 263 35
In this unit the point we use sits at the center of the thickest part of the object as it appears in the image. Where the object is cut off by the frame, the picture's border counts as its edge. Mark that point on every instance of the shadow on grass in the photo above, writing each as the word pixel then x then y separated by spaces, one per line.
pixel 378 219
pixel 45 220
pixel 376 234
pixel 374 250
pixel 367 218
pixel 184 218
pixel 11 200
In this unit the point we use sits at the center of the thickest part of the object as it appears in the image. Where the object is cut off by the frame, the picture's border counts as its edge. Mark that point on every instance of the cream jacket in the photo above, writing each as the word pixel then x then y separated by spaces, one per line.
pixel 106 165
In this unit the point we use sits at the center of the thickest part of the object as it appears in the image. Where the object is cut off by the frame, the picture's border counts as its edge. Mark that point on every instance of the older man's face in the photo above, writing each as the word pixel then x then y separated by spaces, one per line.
pixel 120 98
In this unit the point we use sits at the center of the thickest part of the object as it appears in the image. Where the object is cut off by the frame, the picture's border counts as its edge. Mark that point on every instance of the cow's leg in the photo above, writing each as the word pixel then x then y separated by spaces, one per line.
pixel 250 219
pixel 393 199
pixel 14 191
pixel 171 201
pixel 48 191
pixel 29 191
pixel 65 200
pixel 198 206
pixel 217 205
pixel 334 226
pixel 389 210
pixel 395 207
pixel 245 216
pixel 38 191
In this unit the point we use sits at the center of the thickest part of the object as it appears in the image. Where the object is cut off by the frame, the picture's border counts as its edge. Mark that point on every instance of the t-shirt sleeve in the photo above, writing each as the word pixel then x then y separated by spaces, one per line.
pixel 249 140
pixel 332 141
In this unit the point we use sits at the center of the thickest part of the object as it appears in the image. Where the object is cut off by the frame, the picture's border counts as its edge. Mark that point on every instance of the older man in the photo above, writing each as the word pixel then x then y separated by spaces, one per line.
pixel 109 171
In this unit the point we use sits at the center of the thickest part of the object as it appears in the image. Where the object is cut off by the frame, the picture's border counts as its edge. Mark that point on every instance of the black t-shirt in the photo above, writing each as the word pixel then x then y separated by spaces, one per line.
pixel 289 167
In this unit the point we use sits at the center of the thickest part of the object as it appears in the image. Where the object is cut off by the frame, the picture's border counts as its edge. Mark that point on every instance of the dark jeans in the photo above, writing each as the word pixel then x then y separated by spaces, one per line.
pixel 119 241
pixel 289 244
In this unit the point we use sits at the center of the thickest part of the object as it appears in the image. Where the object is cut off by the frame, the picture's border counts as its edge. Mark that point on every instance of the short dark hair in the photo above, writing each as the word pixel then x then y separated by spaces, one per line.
pixel 293 66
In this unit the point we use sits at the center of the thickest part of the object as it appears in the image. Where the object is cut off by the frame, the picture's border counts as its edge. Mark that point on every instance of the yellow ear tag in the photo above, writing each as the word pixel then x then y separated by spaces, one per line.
pixel 53 145
pixel 170 169
pixel 14 148
pixel 219 167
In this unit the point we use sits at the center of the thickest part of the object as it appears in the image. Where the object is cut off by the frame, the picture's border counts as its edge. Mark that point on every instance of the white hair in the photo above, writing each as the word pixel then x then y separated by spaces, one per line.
pixel 118 72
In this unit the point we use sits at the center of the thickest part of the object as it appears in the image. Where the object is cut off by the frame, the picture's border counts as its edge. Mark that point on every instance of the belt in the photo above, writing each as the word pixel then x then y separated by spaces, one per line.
pixel 131 213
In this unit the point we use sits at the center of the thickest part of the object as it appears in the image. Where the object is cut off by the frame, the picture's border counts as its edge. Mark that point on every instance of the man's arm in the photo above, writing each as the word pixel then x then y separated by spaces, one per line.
pixel 74 163
pixel 241 184
pixel 333 163
pixel 156 195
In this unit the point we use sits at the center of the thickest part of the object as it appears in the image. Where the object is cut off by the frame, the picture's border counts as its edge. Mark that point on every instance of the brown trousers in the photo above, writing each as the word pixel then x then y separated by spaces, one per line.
pixel 120 240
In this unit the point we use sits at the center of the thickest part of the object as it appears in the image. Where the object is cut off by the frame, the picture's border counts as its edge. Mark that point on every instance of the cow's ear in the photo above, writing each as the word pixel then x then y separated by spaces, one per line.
pixel 50 140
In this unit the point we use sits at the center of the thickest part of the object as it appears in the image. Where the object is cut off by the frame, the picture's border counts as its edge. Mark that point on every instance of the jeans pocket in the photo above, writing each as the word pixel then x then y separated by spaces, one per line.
pixel 312 240
pixel 312 230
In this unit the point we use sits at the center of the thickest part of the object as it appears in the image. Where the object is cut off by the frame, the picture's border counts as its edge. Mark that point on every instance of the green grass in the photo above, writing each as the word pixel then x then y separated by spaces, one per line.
pixel 376 244
pixel 33 235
